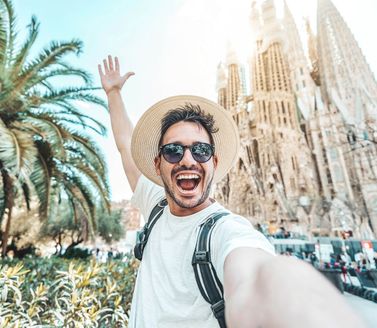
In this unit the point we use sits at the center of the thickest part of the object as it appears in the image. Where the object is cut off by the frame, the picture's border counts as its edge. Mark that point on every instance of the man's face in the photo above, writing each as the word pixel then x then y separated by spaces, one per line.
pixel 188 182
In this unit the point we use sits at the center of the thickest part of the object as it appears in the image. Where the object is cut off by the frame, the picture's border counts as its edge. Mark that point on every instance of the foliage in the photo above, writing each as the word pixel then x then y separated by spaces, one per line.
pixel 60 293
pixel 110 226
pixel 63 227
pixel 45 150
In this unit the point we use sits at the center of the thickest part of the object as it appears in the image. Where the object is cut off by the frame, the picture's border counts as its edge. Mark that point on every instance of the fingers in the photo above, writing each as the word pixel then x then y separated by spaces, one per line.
pixel 105 66
pixel 117 64
pixel 111 65
pixel 127 76
pixel 100 71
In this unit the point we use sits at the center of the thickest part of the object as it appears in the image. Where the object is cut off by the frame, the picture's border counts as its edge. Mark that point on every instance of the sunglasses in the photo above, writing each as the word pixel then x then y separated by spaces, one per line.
pixel 200 151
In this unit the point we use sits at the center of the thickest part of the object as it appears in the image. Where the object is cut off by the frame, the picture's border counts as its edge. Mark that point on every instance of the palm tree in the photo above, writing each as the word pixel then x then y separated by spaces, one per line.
pixel 44 149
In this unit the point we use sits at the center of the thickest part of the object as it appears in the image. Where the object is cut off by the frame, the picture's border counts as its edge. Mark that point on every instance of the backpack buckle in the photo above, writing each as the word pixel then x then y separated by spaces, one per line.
pixel 140 244
pixel 218 309
pixel 162 203
pixel 200 257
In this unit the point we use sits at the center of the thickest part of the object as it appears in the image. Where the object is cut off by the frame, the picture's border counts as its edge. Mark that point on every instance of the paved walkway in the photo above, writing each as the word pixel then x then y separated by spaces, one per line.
pixel 367 309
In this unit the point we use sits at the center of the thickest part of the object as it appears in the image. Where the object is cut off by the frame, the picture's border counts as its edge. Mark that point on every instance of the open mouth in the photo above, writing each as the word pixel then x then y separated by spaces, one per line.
pixel 188 182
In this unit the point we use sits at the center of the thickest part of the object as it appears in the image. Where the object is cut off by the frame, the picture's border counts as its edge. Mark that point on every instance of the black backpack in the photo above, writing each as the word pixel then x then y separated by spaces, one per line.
pixel 205 275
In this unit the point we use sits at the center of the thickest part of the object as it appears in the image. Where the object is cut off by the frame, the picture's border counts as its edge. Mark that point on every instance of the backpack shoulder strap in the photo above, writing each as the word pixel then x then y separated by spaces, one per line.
pixel 205 275
pixel 143 235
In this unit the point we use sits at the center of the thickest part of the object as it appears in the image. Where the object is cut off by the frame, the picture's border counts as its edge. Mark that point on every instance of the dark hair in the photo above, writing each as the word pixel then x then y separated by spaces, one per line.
pixel 188 113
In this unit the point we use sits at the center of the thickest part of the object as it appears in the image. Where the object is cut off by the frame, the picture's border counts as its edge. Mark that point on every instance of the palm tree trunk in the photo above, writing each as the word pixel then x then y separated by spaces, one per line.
pixel 5 236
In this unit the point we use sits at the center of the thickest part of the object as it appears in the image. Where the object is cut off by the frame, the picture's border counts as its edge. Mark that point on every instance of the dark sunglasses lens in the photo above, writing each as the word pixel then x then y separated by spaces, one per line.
pixel 172 153
pixel 201 152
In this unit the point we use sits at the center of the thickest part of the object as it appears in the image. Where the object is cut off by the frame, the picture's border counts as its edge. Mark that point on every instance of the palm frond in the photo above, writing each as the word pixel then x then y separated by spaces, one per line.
pixel 70 70
pixel 41 180
pixel 2 192
pixel 17 150
pixel 90 178
pixel 7 32
pixel 88 152
pixel 65 112
pixel 20 58
pixel 51 132
pixel 26 150
pixel 3 34
pixel 52 72
pixel 76 93
pixel 49 56
pixel 26 194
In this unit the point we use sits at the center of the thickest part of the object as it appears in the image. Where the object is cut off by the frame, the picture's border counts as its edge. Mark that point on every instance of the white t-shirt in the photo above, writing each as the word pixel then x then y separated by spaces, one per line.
pixel 166 293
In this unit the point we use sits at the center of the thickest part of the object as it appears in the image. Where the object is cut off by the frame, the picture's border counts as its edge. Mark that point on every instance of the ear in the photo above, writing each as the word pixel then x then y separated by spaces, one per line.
pixel 215 161
pixel 157 162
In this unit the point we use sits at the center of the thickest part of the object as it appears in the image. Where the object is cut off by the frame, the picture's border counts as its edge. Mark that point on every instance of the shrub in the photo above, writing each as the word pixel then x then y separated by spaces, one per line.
pixel 57 292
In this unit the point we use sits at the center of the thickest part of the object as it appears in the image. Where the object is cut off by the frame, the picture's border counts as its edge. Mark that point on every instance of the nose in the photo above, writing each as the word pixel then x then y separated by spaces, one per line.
pixel 187 159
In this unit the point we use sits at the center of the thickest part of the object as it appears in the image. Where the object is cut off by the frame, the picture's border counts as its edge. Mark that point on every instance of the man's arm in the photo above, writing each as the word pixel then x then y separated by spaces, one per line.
pixel 261 290
pixel 112 83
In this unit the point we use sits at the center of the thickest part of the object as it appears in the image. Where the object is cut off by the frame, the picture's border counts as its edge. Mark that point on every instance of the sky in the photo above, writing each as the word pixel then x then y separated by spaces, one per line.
pixel 173 46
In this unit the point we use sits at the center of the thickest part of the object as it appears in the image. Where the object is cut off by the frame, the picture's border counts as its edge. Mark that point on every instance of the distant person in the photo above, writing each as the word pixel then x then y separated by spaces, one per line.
pixel 178 149
pixel 313 259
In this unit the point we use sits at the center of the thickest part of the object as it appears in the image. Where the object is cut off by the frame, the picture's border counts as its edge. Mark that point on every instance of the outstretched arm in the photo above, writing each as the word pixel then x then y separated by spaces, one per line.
pixel 112 82
pixel 265 291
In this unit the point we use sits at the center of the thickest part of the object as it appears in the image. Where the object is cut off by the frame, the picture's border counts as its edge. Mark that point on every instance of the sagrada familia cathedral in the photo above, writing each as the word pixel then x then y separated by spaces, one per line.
pixel 308 127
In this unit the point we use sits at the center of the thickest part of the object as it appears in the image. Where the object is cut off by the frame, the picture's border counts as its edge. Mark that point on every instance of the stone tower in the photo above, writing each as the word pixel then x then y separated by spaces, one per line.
pixel 346 79
pixel 283 154
pixel 308 130
pixel 301 79
pixel 348 84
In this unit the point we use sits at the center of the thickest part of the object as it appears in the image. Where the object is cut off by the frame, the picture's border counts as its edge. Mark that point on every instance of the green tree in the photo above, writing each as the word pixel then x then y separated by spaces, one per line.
pixel 45 150
pixel 63 227
pixel 110 226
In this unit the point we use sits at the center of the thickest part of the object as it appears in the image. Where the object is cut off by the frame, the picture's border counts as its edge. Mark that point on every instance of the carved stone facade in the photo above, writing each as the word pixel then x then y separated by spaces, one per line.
pixel 308 129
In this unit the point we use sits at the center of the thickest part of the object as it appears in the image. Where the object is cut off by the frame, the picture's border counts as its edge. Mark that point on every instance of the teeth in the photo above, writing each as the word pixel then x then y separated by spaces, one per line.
pixel 187 176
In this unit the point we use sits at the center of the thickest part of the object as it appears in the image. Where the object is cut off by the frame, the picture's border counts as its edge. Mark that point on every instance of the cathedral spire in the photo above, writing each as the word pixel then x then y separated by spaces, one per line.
pixel 272 31
pixel 301 79
pixel 344 71
pixel 313 53
pixel 255 21
pixel 235 85
pixel 221 84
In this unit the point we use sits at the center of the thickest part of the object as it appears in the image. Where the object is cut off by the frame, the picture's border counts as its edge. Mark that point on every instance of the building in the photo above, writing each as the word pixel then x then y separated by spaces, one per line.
pixel 131 220
pixel 308 127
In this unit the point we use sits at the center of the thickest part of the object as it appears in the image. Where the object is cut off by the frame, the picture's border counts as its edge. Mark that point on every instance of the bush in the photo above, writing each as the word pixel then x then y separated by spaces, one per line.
pixel 56 292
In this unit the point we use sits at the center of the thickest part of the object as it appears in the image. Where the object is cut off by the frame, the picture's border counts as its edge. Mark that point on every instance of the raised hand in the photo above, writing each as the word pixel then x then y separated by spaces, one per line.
pixel 111 79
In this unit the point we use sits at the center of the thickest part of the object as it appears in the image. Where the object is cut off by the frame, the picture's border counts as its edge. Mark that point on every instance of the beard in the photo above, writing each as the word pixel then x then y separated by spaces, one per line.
pixel 169 191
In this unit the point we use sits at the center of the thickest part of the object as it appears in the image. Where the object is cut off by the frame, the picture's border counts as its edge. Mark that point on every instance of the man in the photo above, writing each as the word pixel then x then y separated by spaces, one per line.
pixel 179 147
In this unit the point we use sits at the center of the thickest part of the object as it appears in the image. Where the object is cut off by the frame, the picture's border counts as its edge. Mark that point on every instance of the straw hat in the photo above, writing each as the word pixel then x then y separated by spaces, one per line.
pixel 146 135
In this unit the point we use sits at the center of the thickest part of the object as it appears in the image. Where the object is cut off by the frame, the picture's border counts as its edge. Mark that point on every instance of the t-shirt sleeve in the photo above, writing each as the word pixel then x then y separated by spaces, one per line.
pixel 233 232
pixel 146 195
